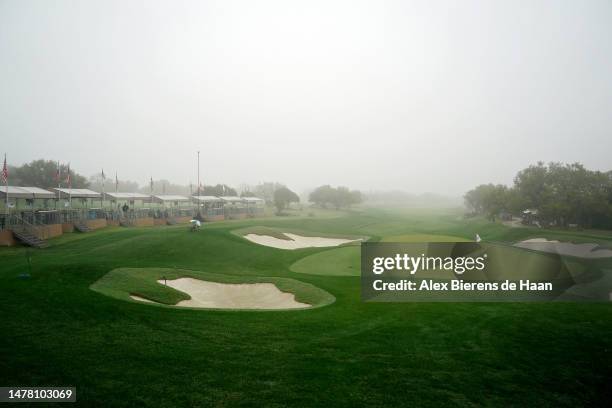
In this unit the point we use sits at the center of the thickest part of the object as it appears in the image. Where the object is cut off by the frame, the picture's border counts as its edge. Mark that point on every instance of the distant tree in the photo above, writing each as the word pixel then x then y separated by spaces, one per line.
pixel 488 199
pixel 562 194
pixel 356 197
pixel 219 190
pixel 266 191
pixel 283 197
pixel 42 173
pixel 323 196
pixel 340 197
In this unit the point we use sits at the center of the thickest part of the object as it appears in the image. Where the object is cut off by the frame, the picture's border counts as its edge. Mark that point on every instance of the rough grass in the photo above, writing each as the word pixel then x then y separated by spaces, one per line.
pixel 120 283
pixel 56 331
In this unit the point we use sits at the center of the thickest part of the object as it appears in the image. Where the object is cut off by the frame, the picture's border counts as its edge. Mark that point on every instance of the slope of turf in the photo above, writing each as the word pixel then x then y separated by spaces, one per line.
pixel 280 233
pixel 120 283
pixel 345 261
pixel 423 238
pixel 56 331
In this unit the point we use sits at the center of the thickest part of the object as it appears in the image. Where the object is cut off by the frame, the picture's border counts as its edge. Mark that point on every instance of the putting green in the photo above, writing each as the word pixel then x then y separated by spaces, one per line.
pixel 127 283
pixel 345 261
pixel 423 238
pixel 279 233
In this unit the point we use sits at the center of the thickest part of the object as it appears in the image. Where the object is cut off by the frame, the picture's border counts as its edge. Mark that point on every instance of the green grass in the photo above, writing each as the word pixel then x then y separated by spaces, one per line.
pixel 423 238
pixel 57 331
pixel 280 233
pixel 120 283
pixel 343 261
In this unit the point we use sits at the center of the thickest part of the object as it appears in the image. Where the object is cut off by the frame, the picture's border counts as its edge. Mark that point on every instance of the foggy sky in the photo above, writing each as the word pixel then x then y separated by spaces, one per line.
pixel 420 96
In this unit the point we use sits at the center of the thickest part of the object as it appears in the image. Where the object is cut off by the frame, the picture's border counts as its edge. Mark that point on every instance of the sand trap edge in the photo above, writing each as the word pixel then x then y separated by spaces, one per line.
pixel 308 293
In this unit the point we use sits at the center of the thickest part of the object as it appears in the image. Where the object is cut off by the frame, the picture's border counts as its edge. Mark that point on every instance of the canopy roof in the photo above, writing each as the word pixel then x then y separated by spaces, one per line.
pixel 128 196
pixel 169 197
pixel 232 199
pixel 253 199
pixel 25 192
pixel 76 192
pixel 207 198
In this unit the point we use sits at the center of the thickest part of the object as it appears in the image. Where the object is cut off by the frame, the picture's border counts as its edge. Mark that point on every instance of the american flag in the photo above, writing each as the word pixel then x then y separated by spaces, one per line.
pixel 4 171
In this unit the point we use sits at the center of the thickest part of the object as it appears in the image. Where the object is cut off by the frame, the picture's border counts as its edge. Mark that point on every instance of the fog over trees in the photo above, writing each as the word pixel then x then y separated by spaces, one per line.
pixel 339 197
pixel 561 194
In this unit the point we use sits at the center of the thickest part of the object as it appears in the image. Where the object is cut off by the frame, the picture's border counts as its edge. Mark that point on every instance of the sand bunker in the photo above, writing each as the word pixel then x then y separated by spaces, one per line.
pixel 297 241
pixel 141 299
pixel 565 248
pixel 216 295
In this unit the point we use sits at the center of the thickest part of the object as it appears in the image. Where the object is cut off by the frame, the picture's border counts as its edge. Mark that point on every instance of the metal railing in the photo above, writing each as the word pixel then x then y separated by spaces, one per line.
pixel 19 224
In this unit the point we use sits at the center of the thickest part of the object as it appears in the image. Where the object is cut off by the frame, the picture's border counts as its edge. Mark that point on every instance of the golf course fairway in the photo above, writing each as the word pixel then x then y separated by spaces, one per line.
pixel 73 322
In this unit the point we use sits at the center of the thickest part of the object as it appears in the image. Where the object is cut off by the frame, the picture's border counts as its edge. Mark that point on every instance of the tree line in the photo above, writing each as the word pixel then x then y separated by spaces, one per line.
pixel 561 194
pixel 339 197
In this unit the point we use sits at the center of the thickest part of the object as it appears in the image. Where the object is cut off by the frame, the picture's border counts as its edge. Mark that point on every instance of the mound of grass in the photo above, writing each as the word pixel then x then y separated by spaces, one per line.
pixel 279 232
pixel 344 261
pixel 122 282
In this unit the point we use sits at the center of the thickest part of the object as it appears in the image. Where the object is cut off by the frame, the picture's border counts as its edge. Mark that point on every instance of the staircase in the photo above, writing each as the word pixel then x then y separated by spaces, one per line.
pixel 30 239
pixel 81 227
pixel 25 232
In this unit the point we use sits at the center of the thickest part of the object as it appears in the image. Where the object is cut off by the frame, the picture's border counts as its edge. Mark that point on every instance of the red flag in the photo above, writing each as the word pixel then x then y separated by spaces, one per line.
pixel 5 173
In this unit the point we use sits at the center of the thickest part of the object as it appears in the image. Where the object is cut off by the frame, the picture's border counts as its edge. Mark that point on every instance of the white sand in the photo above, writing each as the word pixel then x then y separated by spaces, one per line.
pixel 565 248
pixel 297 241
pixel 231 296
pixel 141 299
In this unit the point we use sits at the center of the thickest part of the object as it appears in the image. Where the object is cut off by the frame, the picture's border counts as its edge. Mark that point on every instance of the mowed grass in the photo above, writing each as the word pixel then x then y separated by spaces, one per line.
pixel 414 238
pixel 345 261
pixel 120 283
pixel 57 331
pixel 279 233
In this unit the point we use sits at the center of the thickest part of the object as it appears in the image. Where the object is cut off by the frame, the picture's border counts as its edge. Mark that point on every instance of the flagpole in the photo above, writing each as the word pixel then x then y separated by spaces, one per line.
pixel 199 185
pixel 69 187
pixel 5 176
pixel 102 198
